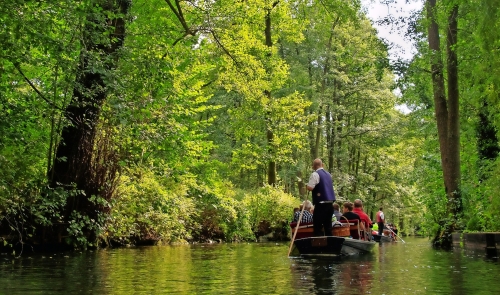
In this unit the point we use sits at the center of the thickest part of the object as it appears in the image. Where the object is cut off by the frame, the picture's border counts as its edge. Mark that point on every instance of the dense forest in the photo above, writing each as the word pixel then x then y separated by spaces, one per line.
pixel 125 122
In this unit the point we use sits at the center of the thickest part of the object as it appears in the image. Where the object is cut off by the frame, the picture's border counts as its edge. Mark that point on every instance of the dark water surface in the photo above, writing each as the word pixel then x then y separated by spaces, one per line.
pixel 397 268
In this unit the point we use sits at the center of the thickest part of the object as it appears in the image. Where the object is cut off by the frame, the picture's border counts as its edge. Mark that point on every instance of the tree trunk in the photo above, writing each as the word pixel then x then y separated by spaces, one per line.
pixel 328 127
pixel 447 116
pixel 317 137
pixel 356 172
pixel 324 85
pixel 301 184
pixel 330 130
pixel 454 200
pixel 310 125
pixel 73 163
pixel 271 168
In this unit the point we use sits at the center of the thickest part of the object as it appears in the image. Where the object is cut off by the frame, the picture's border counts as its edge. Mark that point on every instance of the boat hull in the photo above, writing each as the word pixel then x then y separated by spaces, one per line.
pixel 319 246
pixel 379 238
pixel 352 247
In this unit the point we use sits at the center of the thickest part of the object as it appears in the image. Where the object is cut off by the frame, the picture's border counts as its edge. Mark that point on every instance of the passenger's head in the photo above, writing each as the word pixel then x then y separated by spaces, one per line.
pixel 380 208
pixel 296 209
pixel 307 205
pixel 348 206
pixel 336 207
pixel 358 203
pixel 317 163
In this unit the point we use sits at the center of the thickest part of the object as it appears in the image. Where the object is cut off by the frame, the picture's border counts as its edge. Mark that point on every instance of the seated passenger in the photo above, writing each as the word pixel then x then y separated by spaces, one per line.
pixel 347 209
pixel 351 216
pixel 394 228
pixel 336 211
pixel 358 209
pixel 307 216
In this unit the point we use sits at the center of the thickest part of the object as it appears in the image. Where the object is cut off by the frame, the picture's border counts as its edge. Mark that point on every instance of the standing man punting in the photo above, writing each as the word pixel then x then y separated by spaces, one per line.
pixel 380 221
pixel 323 196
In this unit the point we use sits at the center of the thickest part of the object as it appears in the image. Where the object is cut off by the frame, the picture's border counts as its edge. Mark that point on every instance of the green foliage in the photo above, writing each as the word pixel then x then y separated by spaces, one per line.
pixel 39 207
pixel 147 207
pixel 191 102
pixel 221 216
pixel 154 207
pixel 269 204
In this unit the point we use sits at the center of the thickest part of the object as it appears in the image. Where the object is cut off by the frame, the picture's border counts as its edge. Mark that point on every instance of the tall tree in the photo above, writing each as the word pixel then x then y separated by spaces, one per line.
pixel 101 44
pixel 447 113
pixel 271 166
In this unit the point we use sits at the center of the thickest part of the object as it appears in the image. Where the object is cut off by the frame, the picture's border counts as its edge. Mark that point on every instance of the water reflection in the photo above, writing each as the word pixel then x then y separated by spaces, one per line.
pixel 316 276
pixel 344 275
pixel 359 275
pixel 393 268
pixel 324 275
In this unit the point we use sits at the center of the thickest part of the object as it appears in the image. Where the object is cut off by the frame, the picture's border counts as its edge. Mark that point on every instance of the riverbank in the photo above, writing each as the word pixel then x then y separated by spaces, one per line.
pixel 485 241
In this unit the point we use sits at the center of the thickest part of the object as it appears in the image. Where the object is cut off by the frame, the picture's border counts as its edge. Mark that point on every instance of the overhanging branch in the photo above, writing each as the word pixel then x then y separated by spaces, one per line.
pixel 18 68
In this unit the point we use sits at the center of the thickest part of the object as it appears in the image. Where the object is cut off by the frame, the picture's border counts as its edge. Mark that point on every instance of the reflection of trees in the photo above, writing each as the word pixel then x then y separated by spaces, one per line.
pixel 317 276
pixel 357 277
pixel 347 275
pixel 456 274
pixel 324 277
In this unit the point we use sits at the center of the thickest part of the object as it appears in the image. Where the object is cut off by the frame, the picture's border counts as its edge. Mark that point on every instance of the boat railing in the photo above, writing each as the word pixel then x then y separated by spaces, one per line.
pixel 293 225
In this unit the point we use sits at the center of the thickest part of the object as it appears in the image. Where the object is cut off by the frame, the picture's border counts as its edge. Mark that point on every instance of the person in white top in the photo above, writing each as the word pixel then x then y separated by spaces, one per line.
pixel 323 195
pixel 380 221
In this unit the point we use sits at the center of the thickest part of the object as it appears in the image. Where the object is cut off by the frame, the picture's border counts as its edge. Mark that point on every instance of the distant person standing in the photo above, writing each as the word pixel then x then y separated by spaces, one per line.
pixel 380 221
pixel 323 196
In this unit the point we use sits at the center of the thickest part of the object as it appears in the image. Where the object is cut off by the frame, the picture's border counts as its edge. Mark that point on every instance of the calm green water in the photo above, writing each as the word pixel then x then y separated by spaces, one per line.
pixel 411 268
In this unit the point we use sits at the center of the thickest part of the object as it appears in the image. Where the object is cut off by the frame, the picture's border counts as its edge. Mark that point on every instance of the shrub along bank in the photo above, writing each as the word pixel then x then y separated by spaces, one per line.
pixel 147 208
pixel 151 209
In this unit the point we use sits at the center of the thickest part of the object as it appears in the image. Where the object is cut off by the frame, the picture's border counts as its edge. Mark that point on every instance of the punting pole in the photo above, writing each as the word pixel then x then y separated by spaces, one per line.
pixel 396 235
pixel 297 227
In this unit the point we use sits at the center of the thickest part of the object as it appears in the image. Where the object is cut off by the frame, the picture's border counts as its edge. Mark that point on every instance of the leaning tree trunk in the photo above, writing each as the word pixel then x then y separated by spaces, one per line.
pixel 102 40
pixel 447 117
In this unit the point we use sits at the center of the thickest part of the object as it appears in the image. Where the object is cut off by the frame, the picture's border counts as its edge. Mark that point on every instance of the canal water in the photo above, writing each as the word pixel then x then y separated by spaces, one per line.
pixel 255 268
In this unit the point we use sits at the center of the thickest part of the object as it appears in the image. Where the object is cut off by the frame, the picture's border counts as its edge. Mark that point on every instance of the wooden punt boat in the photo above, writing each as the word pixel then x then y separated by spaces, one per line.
pixel 308 245
pixel 353 246
pixel 319 246
pixel 379 238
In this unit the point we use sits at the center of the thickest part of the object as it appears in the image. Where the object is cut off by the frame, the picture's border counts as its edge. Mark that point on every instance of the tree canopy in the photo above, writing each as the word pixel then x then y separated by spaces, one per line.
pixel 133 121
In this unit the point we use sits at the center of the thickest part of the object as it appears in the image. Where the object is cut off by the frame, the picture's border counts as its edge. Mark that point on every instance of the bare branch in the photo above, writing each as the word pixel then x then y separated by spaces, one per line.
pixel 222 46
pixel 18 68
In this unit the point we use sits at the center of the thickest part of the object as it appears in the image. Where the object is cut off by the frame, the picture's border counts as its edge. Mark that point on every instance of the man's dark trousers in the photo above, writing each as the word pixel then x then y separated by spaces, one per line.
pixel 380 228
pixel 322 219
